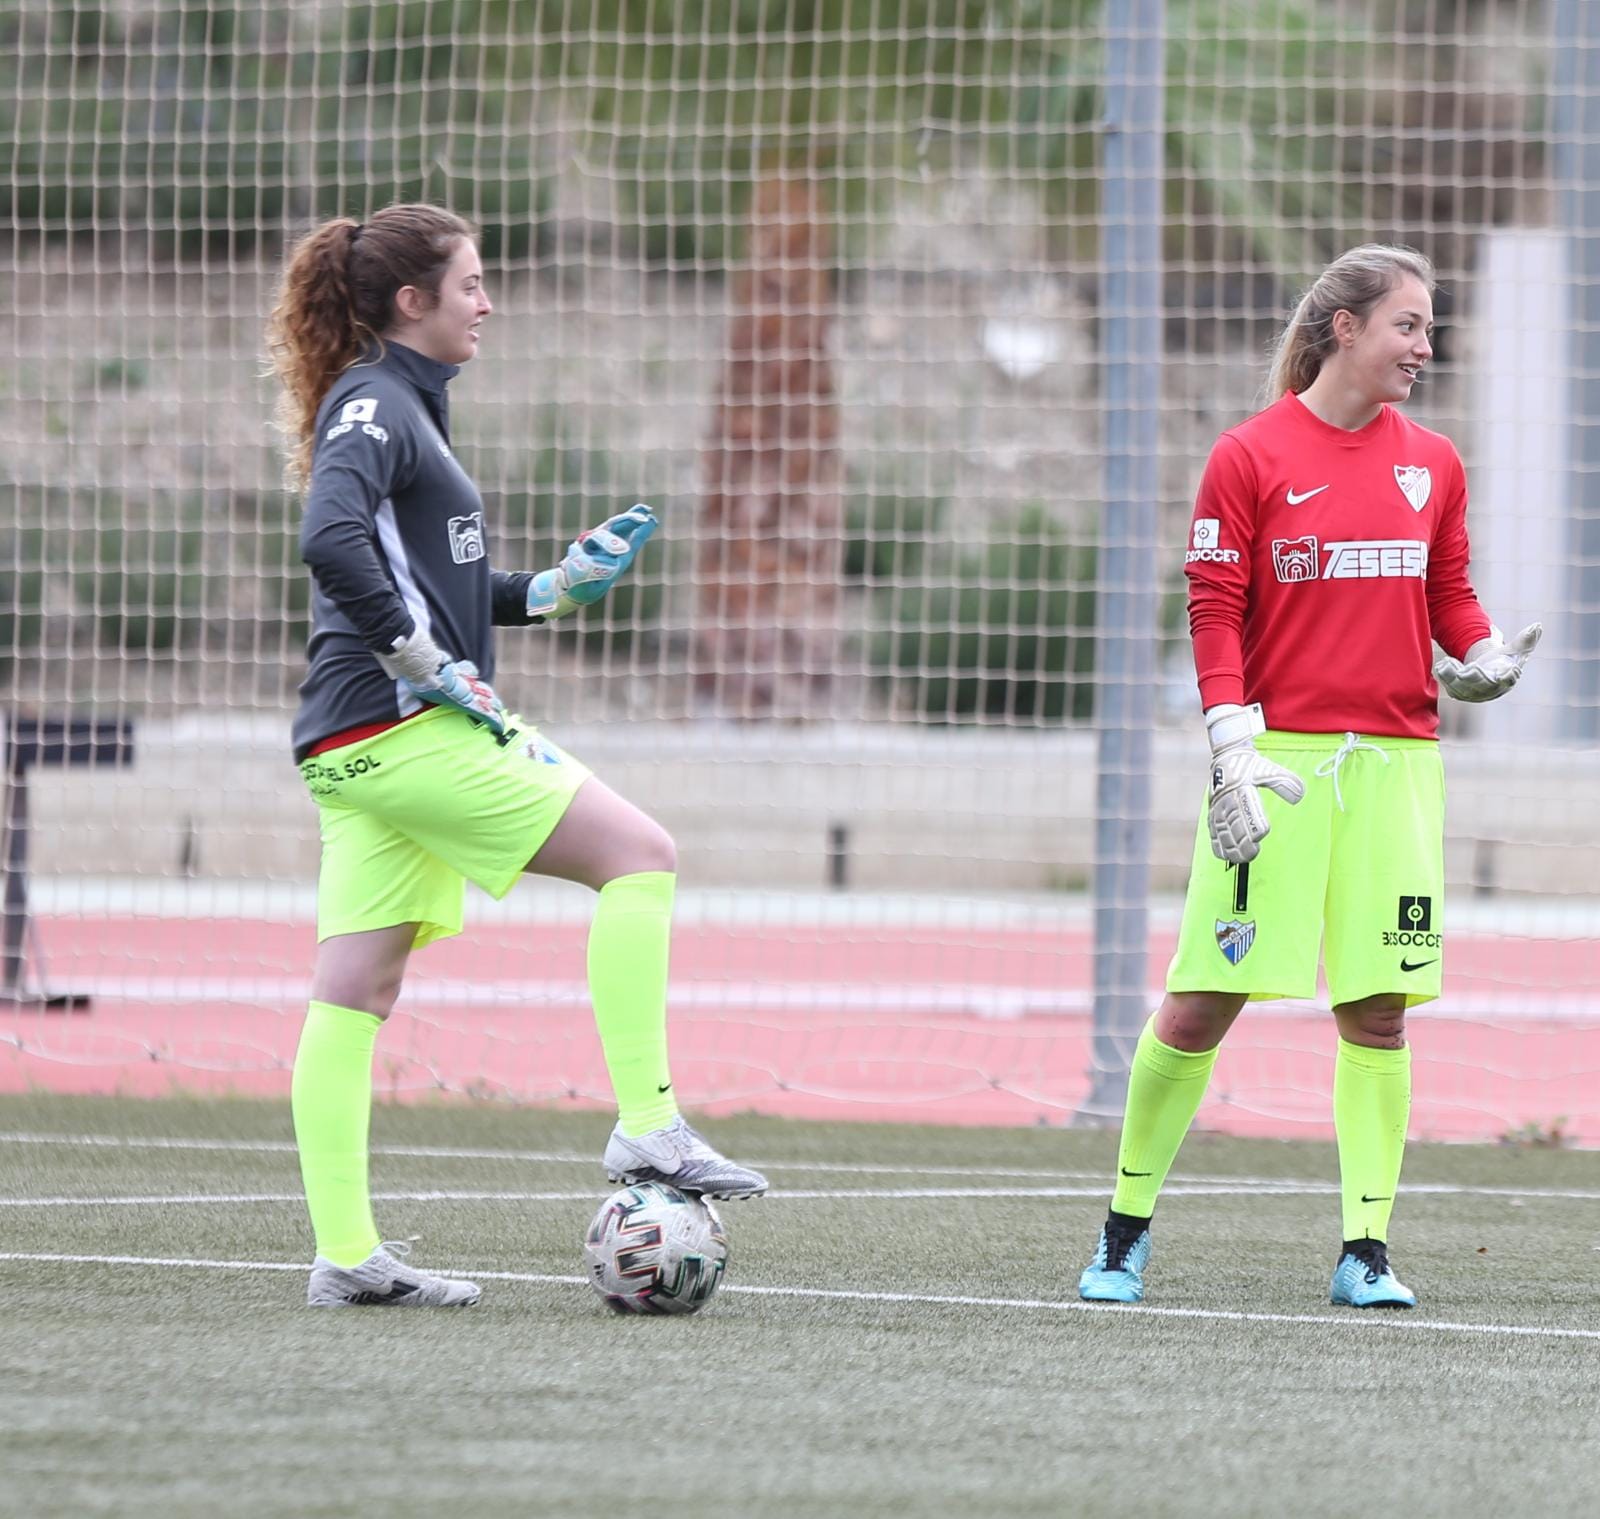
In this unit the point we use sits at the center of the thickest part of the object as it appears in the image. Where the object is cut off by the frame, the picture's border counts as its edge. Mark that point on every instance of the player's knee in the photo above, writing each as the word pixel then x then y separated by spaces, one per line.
pixel 1196 1021
pixel 363 988
pixel 1379 1023
pixel 384 996
pixel 647 847
pixel 1387 1033
pixel 653 848
pixel 359 994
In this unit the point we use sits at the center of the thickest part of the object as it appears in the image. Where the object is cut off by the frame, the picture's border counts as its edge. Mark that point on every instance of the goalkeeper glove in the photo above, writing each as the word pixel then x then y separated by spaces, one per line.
pixel 594 559
pixel 1236 818
pixel 444 682
pixel 1491 666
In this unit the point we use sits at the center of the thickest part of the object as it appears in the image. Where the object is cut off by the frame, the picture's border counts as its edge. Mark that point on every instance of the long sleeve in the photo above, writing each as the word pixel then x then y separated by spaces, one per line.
pixel 1456 618
pixel 1217 564
pixel 354 472
pixel 395 537
pixel 509 590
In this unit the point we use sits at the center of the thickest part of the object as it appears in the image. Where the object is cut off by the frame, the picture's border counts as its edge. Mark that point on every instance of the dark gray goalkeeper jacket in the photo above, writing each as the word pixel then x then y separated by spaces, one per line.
pixel 393 532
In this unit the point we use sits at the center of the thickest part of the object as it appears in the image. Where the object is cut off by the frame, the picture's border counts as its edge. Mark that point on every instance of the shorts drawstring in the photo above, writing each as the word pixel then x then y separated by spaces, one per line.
pixel 1330 766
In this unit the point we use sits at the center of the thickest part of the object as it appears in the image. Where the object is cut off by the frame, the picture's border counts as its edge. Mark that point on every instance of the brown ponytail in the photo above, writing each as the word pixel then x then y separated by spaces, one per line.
pixel 1356 282
pixel 337 298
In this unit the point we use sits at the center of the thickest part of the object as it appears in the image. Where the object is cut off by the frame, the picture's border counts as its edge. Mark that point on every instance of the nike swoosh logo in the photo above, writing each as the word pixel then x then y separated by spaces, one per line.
pixel 1387 1197
pixel 399 1289
pixel 1127 1172
pixel 1295 500
pixel 1406 965
pixel 666 1088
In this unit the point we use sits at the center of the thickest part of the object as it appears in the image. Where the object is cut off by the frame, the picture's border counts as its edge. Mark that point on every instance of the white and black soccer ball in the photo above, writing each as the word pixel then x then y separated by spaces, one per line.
pixel 654 1249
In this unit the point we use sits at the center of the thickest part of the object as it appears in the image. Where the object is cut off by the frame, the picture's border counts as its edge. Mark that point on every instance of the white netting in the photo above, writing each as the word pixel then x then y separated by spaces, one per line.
pixel 823 283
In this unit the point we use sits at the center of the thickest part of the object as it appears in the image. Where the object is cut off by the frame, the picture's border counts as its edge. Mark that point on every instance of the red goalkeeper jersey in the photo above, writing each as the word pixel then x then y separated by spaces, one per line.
pixel 1323 564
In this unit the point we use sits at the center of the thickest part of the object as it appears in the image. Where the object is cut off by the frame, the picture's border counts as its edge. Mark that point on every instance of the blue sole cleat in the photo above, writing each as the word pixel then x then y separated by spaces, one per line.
pixel 1119 1280
pixel 1368 1281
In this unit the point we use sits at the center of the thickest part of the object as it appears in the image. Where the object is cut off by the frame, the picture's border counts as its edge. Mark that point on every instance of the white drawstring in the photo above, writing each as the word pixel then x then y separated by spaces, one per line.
pixel 1330 766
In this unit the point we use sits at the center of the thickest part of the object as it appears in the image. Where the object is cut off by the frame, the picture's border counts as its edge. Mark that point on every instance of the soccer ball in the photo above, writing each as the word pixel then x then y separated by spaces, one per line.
pixel 654 1249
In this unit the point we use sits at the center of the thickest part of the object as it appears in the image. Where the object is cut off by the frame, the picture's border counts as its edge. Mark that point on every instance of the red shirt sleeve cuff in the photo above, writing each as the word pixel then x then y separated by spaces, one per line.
pixel 1458 637
pixel 1216 690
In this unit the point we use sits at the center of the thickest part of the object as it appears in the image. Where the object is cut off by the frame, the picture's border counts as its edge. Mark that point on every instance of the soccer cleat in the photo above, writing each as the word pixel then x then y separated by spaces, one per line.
pixel 1364 1279
pixel 385 1280
pixel 1115 1275
pixel 682 1159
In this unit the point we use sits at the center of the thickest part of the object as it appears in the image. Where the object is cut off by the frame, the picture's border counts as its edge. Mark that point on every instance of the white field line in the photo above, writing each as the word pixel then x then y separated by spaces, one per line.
pixel 1295 1186
pixel 1049 1305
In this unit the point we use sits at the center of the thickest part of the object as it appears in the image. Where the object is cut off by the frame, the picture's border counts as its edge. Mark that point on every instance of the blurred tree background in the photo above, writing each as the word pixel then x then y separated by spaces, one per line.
pixel 192 138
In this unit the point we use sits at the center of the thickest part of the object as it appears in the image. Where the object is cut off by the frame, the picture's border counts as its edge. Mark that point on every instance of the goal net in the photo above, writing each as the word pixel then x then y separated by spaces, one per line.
pixel 825 284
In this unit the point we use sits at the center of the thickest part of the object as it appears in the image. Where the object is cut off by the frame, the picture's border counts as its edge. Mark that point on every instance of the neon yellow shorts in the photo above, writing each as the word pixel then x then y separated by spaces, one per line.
pixel 412 814
pixel 1360 860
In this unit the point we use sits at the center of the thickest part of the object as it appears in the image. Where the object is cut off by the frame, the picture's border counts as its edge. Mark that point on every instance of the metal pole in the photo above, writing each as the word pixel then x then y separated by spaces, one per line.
pixel 1130 324
pixel 13 861
pixel 1575 122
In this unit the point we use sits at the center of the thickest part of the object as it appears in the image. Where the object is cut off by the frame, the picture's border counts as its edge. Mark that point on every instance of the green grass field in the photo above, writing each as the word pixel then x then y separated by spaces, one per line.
pixel 898 1334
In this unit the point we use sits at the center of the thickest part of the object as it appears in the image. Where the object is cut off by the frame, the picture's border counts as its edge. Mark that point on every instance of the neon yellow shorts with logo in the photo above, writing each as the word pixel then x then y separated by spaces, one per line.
pixel 1355 870
pixel 412 814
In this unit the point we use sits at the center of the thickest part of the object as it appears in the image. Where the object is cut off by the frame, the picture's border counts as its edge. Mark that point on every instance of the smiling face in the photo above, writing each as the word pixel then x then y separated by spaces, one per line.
pixel 444 327
pixel 1380 359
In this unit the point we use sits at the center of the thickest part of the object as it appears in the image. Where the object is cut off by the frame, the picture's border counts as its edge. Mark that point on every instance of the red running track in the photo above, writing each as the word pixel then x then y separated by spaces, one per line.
pixel 948 1024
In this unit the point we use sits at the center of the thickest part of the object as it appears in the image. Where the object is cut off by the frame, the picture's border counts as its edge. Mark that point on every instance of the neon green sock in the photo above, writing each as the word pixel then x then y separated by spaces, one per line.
pixel 628 946
pixel 331 1097
pixel 1371 1106
pixel 1164 1091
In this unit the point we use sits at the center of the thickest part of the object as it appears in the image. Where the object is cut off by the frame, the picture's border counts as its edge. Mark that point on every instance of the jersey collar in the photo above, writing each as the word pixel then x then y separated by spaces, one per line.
pixel 1339 436
pixel 426 374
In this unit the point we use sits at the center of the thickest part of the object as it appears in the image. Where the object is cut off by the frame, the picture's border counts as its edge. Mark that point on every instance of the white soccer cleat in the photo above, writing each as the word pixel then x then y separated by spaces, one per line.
pixel 385 1280
pixel 682 1159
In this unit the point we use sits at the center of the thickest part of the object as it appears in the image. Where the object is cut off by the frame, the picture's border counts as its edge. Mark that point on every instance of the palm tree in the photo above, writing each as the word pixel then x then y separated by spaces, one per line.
pixel 771 543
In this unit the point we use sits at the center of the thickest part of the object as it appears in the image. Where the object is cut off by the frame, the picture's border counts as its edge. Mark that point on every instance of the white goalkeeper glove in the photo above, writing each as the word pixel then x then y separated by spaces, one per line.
pixel 1491 667
pixel 594 561
pixel 444 682
pixel 1236 818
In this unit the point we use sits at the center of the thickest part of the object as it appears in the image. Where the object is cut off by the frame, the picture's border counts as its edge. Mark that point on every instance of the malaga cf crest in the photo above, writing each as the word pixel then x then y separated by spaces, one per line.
pixel 1415 482
pixel 1234 938
pixel 539 752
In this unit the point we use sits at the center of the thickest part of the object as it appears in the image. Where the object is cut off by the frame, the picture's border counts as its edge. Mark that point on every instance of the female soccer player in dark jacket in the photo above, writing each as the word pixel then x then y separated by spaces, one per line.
pixel 424 779
pixel 1327 554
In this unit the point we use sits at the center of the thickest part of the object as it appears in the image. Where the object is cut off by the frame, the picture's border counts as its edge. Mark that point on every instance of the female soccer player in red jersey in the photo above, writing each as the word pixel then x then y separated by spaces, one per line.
pixel 423 779
pixel 1327 554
